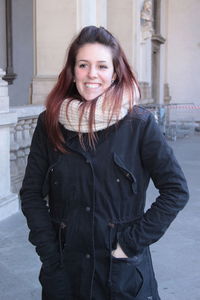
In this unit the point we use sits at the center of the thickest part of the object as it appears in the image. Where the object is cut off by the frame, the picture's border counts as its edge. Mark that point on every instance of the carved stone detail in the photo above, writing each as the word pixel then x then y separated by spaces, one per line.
pixel 146 96
pixel 167 97
pixel 146 18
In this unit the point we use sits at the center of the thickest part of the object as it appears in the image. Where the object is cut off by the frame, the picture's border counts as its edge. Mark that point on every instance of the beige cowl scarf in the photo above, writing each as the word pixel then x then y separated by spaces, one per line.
pixel 102 117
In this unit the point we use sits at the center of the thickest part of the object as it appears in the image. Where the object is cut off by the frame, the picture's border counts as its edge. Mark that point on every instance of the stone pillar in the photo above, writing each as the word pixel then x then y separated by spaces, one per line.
pixel 125 14
pixel 9 203
pixel 55 24
pixel 91 12
pixel 145 49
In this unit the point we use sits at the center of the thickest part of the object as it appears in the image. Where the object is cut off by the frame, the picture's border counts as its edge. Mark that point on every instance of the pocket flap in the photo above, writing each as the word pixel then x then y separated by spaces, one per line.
pixel 126 171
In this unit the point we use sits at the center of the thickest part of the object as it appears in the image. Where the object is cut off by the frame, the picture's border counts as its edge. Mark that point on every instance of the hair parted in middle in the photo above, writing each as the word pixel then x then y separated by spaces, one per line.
pixel 66 88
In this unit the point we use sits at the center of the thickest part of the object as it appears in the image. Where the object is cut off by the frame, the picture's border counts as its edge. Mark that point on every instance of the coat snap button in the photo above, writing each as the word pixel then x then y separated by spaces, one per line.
pixel 112 225
pixel 62 225
pixel 118 180
pixel 87 256
pixel 87 208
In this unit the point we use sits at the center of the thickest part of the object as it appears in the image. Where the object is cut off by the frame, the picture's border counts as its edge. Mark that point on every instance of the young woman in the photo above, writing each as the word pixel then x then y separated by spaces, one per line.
pixel 93 153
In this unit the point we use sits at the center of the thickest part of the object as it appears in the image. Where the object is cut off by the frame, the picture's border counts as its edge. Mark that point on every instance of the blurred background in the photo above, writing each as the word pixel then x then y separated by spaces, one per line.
pixel 162 41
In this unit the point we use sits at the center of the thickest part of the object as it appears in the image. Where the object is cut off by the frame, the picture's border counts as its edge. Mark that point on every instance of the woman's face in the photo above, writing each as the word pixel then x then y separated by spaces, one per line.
pixel 93 70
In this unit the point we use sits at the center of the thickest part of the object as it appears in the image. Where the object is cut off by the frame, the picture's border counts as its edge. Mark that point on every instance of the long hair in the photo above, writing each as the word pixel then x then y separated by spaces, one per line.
pixel 66 88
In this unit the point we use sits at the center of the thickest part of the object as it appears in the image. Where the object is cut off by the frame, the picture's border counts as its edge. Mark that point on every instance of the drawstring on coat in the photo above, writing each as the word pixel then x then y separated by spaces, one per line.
pixel 111 227
pixel 61 227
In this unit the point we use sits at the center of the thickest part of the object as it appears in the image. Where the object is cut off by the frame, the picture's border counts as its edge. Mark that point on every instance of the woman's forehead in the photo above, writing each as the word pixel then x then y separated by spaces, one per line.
pixel 95 51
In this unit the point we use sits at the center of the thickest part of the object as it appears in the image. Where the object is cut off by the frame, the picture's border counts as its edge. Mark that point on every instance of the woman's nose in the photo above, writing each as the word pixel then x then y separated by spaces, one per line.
pixel 92 72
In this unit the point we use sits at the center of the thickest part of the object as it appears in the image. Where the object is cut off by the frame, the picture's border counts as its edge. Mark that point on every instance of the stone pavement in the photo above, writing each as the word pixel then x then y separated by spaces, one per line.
pixel 176 256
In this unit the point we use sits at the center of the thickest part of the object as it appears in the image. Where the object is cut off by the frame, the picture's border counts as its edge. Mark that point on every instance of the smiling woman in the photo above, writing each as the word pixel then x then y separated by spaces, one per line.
pixel 93 153
pixel 94 58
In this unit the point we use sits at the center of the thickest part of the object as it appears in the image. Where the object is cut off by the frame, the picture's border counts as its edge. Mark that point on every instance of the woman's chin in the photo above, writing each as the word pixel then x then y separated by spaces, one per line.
pixel 91 97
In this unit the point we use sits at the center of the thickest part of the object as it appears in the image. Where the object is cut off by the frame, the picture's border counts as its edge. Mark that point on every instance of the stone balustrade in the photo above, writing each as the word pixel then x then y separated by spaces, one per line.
pixel 20 140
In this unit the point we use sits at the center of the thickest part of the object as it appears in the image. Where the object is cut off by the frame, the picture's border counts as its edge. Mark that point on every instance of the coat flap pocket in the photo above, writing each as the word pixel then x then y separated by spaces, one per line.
pixel 120 163
pixel 125 170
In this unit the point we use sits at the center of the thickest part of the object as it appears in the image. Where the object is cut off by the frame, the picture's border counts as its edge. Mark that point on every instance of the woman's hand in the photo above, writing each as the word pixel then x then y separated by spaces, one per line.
pixel 118 252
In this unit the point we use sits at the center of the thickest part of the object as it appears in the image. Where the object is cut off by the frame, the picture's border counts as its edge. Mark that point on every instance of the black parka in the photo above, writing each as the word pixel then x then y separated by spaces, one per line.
pixel 96 199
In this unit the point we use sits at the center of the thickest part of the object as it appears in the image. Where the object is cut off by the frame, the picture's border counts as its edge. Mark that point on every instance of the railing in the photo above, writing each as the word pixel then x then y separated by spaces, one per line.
pixel 181 119
pixel 176 120
pixel 20 140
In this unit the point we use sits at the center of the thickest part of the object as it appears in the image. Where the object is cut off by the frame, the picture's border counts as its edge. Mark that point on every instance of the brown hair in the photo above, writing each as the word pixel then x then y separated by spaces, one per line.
pixel 65 87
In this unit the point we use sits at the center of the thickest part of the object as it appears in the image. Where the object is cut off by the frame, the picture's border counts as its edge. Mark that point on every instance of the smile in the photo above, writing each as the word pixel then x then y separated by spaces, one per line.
pixel 92 85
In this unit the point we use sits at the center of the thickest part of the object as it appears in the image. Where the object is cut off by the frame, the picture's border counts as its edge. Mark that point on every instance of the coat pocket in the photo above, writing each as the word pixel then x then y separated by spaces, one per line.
pixel 125 172
pixel 46 183
pixel 127 280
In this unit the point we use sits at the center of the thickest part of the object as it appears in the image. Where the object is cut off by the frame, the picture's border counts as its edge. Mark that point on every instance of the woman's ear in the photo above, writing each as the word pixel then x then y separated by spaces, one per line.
pixel 114 77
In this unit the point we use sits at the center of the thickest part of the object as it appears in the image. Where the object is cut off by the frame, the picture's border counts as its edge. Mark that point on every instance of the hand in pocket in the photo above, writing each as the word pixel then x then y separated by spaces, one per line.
pixel 119 253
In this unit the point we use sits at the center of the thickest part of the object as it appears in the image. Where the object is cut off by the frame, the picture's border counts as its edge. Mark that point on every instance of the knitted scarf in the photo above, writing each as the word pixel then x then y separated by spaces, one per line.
pixel 102 118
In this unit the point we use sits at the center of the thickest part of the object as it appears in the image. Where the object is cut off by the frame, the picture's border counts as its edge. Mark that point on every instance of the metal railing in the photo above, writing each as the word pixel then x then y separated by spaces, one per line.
pixel 176 120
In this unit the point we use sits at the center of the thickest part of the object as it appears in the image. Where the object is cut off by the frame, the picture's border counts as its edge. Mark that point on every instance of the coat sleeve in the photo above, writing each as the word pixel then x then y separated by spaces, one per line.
pixel 42 233
pixel 159 161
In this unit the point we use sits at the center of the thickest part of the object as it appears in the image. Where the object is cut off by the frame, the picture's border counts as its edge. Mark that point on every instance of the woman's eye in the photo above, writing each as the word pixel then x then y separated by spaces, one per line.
pixel 103 67
pixel 82 65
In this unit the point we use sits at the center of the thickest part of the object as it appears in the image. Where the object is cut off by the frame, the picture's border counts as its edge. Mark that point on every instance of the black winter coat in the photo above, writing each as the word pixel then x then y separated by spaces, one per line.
pixel 96 199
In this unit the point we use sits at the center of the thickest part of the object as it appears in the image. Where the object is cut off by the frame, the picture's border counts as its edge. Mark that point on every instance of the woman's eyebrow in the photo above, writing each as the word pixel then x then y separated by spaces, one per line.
pixel 85 60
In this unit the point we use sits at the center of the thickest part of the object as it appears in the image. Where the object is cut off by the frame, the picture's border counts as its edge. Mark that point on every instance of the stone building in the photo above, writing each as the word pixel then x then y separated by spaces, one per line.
pixel 160 37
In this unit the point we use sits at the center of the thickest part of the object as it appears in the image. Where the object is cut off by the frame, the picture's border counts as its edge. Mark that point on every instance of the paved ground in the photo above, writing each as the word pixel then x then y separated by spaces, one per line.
pixel 176 256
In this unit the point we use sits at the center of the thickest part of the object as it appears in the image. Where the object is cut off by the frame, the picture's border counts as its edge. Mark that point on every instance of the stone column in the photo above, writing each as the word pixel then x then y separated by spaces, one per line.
pixel 9 203
pixel 91 12
pixel 55 24
pixel 145 49
pixel 125 14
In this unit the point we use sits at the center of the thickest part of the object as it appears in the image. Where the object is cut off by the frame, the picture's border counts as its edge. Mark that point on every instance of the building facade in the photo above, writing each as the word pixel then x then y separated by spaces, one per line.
pixel 160 37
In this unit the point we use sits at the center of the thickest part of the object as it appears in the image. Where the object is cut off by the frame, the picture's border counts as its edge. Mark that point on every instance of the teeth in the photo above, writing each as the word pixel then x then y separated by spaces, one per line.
pixel 92 85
